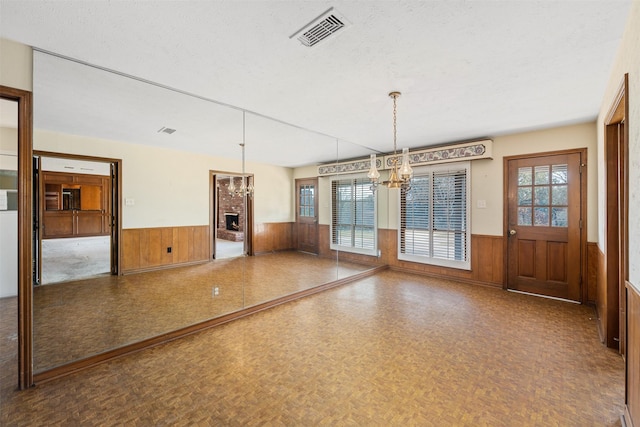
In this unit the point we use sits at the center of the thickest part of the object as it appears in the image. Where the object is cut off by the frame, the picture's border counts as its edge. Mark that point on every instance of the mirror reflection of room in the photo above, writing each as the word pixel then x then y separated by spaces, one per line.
pixel 75 222
pixel 236 249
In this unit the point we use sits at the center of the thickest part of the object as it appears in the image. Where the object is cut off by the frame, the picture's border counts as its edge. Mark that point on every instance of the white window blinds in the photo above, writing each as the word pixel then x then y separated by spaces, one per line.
pixel 353 216
pixel 434 217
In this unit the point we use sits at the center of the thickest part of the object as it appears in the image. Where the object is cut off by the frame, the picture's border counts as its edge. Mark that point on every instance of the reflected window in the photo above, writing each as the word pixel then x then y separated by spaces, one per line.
pixel 353 216
pixel 307 200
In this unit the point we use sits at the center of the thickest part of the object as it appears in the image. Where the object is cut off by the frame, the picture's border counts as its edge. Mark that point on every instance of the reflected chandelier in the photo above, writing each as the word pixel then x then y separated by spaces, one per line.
pixel 400 175
pixel 246 186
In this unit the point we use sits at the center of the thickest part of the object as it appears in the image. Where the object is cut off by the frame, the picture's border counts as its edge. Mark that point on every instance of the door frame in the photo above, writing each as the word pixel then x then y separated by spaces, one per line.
pixel 25 232
pixel 583 209
pixel 616 244
pixel 116 204
pixel 317 213
pixel 213 212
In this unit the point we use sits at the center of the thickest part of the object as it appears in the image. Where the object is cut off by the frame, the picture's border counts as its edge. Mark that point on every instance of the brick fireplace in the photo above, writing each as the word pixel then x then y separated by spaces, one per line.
pixel 231 212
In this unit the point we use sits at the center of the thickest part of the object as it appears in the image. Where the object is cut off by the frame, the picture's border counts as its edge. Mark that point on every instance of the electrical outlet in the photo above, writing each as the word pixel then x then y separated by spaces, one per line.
pixel 169 250
pixel 215 291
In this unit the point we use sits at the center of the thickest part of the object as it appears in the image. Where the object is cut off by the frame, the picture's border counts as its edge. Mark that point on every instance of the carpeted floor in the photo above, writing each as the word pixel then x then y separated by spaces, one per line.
pixel 390 350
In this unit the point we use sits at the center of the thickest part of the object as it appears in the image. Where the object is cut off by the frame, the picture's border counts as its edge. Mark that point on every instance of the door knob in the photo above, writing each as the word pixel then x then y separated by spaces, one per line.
pixel 512 232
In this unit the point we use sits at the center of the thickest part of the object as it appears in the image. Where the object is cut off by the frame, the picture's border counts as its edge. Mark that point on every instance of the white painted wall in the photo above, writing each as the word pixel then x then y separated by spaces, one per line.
pixel 171 187
pixel 16 65
pixel 8 219
pixel 627 61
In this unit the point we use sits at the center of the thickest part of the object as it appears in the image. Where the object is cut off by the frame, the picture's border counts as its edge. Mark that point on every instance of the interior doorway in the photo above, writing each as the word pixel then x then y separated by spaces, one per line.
pixel 307 215
pixel 8 242
pixel 76 217
pixel 612 303
pixel 231 215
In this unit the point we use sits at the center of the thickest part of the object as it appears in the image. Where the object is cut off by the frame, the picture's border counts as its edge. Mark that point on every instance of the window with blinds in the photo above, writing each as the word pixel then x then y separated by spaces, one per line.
pixel 353 216
pixel 434 217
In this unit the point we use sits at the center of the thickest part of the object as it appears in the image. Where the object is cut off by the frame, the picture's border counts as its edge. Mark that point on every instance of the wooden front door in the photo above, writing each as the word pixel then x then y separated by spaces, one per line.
pixel 544 221
pixel 307 215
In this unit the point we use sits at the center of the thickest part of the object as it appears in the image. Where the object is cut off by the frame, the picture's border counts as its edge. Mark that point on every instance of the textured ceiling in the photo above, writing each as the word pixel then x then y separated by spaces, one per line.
pixel 466 70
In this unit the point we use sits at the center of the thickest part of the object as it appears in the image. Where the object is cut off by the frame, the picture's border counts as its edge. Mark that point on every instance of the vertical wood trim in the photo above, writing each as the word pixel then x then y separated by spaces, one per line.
pixel 25 232
pixel 592 272
pixel 632 360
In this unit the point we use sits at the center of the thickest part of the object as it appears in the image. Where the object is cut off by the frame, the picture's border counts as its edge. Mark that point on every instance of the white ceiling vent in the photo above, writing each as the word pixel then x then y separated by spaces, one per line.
pixel 166 130
pixel 325 25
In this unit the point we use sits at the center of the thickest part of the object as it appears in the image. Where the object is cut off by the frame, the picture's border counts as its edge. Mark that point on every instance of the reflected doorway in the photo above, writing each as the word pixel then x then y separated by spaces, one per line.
pixel 231 216
pixel 76 213
pixel 307 215
pixel 8 244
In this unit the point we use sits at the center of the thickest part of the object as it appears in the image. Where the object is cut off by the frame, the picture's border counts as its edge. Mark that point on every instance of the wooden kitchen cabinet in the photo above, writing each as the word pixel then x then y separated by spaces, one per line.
pixel 75 205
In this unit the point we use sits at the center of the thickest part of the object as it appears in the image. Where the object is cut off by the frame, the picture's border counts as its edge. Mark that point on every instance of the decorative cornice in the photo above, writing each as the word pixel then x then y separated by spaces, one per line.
pixel 452 153
pixel 443 154
pixel 348 167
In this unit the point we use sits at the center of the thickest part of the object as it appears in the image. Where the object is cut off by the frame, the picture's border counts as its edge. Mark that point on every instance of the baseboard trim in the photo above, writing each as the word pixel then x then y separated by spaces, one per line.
pixel 446 277
pixel 163 267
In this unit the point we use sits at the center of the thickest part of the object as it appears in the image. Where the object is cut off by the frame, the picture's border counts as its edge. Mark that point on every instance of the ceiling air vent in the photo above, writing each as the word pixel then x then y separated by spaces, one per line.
pixel 166 130
pixel 321 28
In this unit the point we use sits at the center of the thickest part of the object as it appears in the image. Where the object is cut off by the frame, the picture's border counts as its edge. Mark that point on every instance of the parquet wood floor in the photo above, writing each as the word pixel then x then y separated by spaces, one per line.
pixel 86 317
pixel 390 350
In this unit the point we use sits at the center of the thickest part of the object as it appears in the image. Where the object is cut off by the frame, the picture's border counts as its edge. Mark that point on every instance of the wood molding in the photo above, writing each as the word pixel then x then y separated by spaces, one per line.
pixel 593 265
pixel 25 242
pixel 632 359
pixel 179 333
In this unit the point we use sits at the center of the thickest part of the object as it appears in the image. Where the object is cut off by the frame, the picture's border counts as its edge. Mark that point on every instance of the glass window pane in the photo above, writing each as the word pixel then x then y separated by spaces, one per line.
pixel 524 176
pixel 542 196
pixel 524 216
pixel 559 174
pixel 524 196
pixel 542 175
pixel 541 216
pixel 559 195
pixel 559 217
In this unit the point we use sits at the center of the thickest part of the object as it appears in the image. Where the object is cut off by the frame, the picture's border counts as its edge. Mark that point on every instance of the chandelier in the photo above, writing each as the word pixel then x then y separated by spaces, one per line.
pixel 400 175
pixel 246 185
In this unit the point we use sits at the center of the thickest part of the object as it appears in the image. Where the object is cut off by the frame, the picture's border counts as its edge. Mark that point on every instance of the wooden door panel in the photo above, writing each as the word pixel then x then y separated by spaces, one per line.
pixel 544 218
pixel 57 224
pixel 307 215
pixel 89 224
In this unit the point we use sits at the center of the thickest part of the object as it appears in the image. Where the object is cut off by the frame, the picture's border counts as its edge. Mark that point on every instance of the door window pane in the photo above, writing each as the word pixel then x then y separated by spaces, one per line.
pixel 542 175
pixel 541 216
pixel 559 174
pixel 524 216
pixel 524 196
pixel 559 217
pixel 524 176
pixel 559 195
pixel 542 196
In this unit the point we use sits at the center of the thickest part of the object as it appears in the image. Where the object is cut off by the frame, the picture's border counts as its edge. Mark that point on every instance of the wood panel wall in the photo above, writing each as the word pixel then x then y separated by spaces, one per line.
pixel 146 248
pixel 632 414
pixel 592 273
pixel 273 236
pixel 487 258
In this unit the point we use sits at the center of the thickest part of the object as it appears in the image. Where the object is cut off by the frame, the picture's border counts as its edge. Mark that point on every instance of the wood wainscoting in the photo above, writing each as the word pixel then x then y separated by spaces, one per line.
pixel 632 411
pixel 487 258
pixel 273 236
pixel 147 248
pixel 487 262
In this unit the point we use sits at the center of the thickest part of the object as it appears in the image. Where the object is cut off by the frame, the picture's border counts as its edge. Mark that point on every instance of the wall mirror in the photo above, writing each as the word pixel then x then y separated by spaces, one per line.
pixel 178 154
